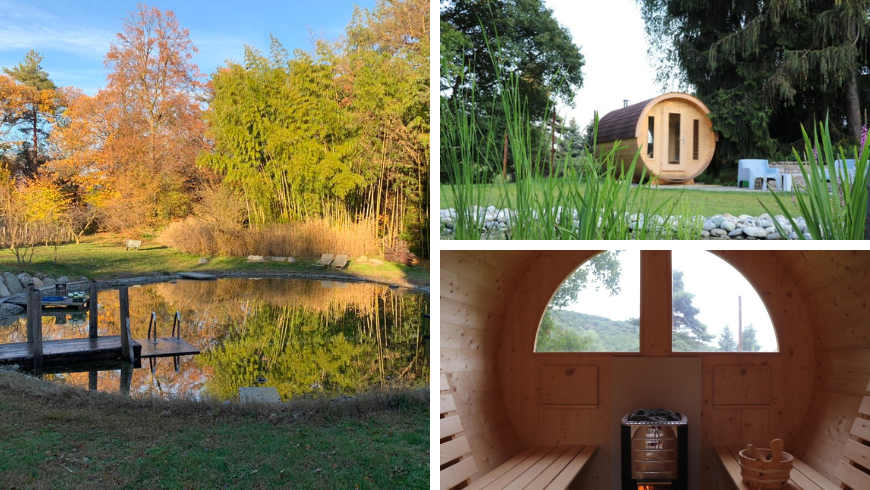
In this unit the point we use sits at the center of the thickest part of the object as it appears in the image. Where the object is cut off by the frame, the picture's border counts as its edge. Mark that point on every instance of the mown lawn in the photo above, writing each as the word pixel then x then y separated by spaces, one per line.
pixel 696 202
pixel 104 255
pixel 53 437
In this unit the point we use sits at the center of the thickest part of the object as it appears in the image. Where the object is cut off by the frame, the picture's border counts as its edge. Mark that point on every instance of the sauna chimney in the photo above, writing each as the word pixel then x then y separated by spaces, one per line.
pixel 655 450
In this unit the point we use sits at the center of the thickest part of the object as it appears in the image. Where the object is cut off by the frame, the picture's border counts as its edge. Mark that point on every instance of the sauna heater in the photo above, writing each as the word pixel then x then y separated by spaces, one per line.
pixel 655 453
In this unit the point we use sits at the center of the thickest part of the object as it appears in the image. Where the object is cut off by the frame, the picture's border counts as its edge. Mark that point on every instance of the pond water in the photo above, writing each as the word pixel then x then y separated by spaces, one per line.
pixel 303 337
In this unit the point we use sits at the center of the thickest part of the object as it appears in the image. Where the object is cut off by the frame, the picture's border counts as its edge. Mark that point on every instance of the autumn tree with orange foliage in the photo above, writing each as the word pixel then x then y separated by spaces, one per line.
pixel 130 150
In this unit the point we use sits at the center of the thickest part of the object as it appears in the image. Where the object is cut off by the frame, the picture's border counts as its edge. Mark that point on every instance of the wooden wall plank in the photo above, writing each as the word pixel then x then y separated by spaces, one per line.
pixel 568 385
pixel 742 385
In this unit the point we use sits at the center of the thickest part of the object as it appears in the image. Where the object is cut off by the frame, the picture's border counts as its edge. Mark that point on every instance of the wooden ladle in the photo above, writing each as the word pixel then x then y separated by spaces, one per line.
pixel 754 453
pixel 776 447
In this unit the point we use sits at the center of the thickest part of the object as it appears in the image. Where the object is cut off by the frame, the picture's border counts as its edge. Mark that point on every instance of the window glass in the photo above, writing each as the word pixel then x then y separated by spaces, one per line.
pixel 715 309
pixel 597 308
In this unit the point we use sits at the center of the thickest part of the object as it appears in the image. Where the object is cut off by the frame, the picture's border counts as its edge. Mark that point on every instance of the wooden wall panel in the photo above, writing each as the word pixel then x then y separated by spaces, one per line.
pixel 742 385
pixel 568 385
pixel 473 301
pixel 834 286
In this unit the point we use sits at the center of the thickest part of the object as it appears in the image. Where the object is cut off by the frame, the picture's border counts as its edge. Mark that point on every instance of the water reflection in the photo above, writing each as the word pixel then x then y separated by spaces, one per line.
pixel 301 337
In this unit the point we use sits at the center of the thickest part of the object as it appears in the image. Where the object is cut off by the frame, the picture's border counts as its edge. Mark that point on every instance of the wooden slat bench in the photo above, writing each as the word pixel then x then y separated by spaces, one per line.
pixel 541 467
pixel 802 476
pixel 857 452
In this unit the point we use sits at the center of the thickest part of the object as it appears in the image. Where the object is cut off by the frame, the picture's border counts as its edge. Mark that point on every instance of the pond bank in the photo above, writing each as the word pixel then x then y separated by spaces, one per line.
pixel 63 437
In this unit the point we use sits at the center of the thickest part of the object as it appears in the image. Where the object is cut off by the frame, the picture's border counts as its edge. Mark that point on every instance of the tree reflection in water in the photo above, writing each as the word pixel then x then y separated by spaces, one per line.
pixel 303 337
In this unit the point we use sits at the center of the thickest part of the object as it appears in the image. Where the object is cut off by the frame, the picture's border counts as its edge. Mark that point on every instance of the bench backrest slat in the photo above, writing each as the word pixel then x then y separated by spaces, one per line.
pixel 457 462
pixel 450 426
pixel 857 452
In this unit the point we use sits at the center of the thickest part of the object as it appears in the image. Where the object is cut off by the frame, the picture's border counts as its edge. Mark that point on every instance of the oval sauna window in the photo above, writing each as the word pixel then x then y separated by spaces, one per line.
pixel 715 309
pixel 597 307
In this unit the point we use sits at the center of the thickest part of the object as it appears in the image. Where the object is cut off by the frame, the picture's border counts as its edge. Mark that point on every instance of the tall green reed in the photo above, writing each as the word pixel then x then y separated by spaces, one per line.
pixel 835 213
pixel 466 166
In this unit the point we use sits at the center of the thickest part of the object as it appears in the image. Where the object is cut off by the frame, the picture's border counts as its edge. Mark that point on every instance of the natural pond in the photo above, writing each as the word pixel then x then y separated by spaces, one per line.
pixel 302 337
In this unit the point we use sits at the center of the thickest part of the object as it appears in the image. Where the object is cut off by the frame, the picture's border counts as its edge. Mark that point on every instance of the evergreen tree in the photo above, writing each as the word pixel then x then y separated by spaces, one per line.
pixel 750 342
pixel 41 105
pixel 684 312
pixel 764 67
pixel 726 341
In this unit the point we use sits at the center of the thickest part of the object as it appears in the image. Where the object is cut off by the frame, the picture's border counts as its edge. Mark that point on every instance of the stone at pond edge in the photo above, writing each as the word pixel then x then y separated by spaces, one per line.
pixel 37 282
pixel 4 292
pixel 362 259
pixel 376 262
pixel 202 261
pixel 728 225
pixel 62 280
pixel 12 283
pixel 48 282
pixel 255 258
pixel 24 278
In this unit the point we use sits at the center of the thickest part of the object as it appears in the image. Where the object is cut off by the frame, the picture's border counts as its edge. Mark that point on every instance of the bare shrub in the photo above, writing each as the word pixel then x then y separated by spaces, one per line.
pixel 197 236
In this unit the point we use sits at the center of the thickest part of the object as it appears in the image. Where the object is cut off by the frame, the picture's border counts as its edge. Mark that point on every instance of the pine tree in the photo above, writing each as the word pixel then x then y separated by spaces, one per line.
pixel 42 103
pixel 726 341
pixel 764 67
pixel 750 342
pixel 684 313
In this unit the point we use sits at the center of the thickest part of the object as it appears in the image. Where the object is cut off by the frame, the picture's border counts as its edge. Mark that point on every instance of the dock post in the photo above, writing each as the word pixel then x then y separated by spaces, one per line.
pixel 93 313
pixel 124 307
pixel 37 328
pixel 30 309
pixel 126 378
pixel 92 380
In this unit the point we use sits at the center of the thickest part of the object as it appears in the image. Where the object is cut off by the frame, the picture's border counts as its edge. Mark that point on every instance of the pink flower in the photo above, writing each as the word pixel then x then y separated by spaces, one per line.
pixel 863 139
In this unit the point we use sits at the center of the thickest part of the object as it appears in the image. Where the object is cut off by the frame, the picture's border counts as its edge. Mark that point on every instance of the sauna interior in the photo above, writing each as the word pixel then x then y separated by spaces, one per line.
pixel 511 399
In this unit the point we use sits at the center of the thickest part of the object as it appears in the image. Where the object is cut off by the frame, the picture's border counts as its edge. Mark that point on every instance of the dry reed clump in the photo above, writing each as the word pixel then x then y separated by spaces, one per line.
pixel 302 239
pixel 301 410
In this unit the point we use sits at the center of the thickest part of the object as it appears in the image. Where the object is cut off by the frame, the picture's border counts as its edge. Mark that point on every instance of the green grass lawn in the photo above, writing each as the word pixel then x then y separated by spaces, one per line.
pixel 60 437
pixel 104 256
pixel 697 202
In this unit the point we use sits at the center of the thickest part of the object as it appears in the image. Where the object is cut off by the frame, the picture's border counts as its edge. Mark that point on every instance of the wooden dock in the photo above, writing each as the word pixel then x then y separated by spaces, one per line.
pixel 165 347
pixel 67 350
pixel 37 352
pixel 21 300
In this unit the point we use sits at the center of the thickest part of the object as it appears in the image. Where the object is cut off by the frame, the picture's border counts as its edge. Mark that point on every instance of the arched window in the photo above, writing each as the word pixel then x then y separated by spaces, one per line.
pixel 715 309
pixel 596 309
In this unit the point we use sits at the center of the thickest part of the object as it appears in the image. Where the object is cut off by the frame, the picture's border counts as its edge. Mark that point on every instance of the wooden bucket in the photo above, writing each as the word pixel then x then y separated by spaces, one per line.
pixel 765 474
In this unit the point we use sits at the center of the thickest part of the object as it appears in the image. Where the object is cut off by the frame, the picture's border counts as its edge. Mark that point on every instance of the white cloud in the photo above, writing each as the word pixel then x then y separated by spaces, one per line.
pixel 28 27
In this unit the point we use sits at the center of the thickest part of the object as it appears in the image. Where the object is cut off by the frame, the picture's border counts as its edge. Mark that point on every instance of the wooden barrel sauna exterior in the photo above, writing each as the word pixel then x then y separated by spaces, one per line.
pixel 673 131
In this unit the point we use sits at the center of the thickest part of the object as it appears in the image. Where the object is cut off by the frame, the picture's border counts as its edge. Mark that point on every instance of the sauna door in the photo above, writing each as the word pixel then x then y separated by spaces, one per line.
pixel 679 142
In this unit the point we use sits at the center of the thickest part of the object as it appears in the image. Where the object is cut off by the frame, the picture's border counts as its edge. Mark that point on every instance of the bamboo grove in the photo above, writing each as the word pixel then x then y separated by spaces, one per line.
pixel 341 133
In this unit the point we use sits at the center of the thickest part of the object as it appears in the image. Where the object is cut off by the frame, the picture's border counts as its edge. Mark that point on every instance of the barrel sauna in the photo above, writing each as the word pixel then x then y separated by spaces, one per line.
pixel 491 307
pixel 674 134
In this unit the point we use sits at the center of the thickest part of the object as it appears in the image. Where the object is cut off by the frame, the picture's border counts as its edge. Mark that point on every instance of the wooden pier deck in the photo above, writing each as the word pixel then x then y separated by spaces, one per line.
pixel 68 350
pixel 38 352
pixel 166 347
pixel 96 349
pixel 21 300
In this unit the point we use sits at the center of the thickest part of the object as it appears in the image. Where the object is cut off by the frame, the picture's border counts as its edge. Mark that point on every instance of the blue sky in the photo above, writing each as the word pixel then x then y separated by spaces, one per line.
pixel 75 36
